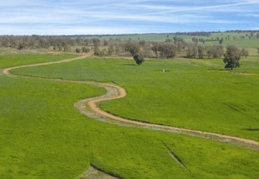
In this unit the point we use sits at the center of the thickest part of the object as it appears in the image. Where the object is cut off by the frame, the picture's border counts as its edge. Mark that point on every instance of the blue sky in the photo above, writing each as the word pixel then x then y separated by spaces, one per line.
pixel 69 17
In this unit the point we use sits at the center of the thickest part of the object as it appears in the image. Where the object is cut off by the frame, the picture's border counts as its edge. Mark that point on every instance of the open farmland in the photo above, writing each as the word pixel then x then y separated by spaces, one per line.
pixel 190 94
pixel 44 136
pixel 133 89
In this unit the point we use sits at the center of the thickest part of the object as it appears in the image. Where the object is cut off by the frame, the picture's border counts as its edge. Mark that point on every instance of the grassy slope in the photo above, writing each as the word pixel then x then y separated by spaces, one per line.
pixel 35 127
pixel 191 95
pixel 7 60
pixel 43 136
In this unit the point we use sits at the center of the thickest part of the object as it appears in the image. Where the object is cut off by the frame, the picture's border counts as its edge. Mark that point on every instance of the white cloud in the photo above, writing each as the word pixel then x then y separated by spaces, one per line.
pixel 113 15
pixel 66 30
pixel 16 3
pixel 210 8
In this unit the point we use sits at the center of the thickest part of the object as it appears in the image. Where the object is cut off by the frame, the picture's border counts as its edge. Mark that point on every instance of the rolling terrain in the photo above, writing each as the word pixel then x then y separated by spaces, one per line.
pixel 43 121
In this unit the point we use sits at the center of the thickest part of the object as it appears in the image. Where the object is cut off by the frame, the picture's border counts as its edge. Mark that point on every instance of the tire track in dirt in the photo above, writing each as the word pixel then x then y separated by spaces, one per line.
pixel 90 108
pixel 6 71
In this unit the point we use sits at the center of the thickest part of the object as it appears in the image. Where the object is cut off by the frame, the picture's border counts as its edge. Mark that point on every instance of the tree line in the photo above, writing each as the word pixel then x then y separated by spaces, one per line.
pixel 138 49
pixel 107 47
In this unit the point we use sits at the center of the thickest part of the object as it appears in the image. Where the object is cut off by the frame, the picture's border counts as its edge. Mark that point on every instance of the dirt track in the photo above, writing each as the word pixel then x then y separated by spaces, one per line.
pixel 6 71
pixel 90 108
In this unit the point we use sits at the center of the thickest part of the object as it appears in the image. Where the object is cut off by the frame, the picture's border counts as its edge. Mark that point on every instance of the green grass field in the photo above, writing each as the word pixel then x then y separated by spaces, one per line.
pixel 191 94
pixel 43 136
pixel 7 60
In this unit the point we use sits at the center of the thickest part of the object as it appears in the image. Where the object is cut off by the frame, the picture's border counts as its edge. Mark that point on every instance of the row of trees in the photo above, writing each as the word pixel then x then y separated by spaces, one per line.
pixel 169 50
pixel 57 43
pixel 102 47
pixel 138 49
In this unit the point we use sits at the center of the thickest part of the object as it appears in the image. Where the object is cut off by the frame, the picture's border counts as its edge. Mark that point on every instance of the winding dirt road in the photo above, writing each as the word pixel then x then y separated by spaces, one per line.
pixel 90 108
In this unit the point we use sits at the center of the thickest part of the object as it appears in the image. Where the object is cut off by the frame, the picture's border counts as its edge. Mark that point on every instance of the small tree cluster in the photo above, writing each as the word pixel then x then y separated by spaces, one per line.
pixel 215 51
pixel 164 50
pixel 133 47
pixel 200 51
pixel 244 52
pixel 192 51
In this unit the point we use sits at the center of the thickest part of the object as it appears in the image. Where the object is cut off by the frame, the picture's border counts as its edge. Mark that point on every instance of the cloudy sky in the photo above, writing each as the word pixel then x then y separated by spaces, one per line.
pixel 69 17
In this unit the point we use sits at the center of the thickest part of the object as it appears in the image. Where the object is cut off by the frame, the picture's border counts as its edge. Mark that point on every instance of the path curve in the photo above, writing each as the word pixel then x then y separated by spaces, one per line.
pixel 6 71
pixel 93 110
pixel 90 107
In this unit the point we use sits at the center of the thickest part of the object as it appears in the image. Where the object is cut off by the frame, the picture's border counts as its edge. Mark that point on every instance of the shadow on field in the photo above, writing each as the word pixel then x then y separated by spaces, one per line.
pixel 96 173
pixel 129 64
pixel 252 130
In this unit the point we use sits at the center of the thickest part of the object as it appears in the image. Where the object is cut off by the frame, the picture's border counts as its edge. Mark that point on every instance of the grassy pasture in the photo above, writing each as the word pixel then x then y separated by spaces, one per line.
pixel 9 60
pixel 193 94
pixel 43 136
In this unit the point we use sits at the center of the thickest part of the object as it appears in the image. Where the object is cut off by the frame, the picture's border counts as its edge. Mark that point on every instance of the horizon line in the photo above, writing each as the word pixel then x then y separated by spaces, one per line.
pixel 144 33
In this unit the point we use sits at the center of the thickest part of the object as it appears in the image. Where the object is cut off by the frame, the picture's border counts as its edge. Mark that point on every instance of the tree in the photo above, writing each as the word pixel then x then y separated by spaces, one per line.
pixel 200 51
pixel 195 40
pixel 142 43
pixel 20 46
pixel 78 50
pixel 215 51
pixel 167 50
pixel 85 50
pixel 67 48
pixel 155 48
pixel 221 41
pixel 86 42
pixel 218 51
pixel 209 52
pixel 232 57
pixel 138 59
pixel 97 51
pixel 110 50
pixel 132 47
pixel 96 41
pixel 105 42
pixel 191 51
pixel 179 42
pixel 244 52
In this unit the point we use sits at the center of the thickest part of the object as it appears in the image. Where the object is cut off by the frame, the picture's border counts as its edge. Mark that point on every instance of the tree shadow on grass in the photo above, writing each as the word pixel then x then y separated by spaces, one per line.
pixel 129 64
pixel 252 130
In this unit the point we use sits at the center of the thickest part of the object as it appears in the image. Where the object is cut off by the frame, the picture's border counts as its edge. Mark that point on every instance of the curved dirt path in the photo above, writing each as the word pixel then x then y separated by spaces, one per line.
pixel 6 71
pixel 90 108
pixel 93 110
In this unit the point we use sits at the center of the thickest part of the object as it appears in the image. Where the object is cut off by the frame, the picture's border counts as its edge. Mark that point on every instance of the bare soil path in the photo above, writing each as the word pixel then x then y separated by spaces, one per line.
pixel 90 108
pixel 6 71
pixel 93 110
